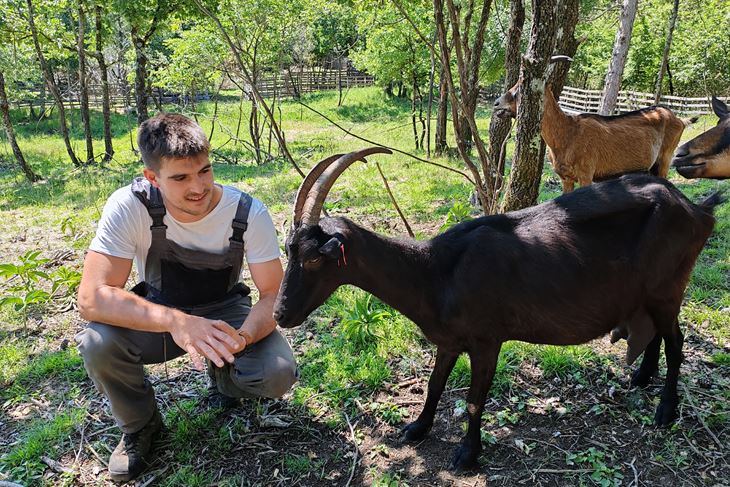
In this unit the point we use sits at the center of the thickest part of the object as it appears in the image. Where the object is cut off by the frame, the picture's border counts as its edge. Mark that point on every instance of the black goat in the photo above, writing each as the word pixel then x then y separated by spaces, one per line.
pixel 616 255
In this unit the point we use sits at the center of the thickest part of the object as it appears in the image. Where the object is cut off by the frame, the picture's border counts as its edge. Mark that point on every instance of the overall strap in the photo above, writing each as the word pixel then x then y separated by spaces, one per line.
pixel 239 225
pixel 240 221
pixel 154 204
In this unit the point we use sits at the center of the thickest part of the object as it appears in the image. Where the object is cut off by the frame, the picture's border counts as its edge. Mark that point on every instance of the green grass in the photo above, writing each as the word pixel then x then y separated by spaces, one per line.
pixel 564 361
pixel 23 375
pixel 42 437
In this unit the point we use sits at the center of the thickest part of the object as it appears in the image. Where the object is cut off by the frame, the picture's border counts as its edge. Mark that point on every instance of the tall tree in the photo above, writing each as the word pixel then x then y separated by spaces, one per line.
pixel 499 127
pixel 5 109
pixel 51 84
pixel 98 54
pixel 524 181
pixel 618 58
pixel 665 53
pixel 145 18
pixel 468 47
pixel 83 83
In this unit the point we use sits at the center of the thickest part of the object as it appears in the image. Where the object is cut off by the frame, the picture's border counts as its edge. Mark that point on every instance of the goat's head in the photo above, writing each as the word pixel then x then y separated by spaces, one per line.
pixel 506 105
pixel 316 251
pixel 708 154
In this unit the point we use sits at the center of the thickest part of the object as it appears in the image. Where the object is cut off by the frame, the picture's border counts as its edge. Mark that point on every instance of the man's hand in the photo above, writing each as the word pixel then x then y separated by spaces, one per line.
pixel 201 337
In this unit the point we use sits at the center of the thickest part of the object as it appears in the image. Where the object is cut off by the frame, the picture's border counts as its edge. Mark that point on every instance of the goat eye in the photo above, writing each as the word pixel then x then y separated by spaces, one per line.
pixel 316 260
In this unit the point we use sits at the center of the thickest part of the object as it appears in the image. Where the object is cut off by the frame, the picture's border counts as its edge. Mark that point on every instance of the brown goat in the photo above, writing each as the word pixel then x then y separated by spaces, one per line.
pixel 708 154
pixel 587 147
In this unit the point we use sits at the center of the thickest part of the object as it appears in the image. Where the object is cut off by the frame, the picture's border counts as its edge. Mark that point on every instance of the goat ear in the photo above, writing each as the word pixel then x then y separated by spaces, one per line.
pixel 720 108
pixel 331 249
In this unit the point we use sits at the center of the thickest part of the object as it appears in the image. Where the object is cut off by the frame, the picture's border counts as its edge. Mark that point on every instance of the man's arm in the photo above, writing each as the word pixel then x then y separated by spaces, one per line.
pixel 260 322
pixel 102 298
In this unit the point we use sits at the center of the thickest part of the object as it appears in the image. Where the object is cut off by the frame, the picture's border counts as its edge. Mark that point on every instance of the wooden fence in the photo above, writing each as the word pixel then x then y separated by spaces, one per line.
pixel 285 84
pixel 580 100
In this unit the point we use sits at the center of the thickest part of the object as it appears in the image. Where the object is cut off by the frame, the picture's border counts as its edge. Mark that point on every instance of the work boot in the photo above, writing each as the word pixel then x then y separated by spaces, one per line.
pixel 131 456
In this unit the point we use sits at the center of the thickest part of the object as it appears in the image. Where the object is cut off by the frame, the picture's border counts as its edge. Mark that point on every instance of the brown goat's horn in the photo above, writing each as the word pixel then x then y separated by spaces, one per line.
pixel 315 199
pixel 306 185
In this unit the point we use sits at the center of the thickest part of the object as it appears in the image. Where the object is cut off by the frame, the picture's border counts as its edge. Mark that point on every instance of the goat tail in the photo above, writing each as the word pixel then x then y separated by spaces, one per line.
pixel 717 198
pixel 689 121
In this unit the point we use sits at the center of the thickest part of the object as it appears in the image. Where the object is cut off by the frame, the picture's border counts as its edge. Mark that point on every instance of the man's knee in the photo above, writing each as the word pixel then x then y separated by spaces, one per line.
pixel 281 374
pixel 98 343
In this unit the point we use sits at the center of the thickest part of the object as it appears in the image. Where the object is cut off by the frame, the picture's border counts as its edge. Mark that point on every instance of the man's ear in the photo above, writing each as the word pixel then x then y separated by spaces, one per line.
pixel 331 249
pixel 150 175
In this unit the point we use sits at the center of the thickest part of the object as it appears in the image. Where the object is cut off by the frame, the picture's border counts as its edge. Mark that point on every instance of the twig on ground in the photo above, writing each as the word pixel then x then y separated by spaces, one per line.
pixel 153 477
pixel 355 453
pixel 563 470
pixel 636 473
pixel 98 457
pixel 701 419
pixel 56 466
pixel 408 382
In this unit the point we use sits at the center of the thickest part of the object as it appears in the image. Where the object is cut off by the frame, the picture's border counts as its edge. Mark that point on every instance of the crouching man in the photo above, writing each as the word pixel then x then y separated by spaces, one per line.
pixel 187 237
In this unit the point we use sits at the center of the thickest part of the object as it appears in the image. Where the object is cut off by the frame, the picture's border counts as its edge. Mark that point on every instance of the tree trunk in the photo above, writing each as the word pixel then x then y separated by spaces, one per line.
pixel 618 58
pixel 5 109
pixel 665 54
pixel 466 56
pixel 499 127
pixel 413 112
pixel 84 87
pixel 140 77
pixel 524 182
pixel 215 110
pixel 565 44
pixel 51 83
pixel 105 104
pixel 441 115
pixel 430 100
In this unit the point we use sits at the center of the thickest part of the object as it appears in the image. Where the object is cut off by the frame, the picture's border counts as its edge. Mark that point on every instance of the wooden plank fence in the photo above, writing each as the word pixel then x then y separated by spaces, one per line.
pixel 580 100
pixel 285 84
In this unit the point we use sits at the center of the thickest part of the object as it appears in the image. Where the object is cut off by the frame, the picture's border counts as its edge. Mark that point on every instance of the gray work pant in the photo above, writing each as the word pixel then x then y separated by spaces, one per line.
pixel 114 358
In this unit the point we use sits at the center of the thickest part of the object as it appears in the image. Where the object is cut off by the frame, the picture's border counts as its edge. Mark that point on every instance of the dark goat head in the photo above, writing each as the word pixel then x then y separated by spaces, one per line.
pixel 317 253
pixel 708 154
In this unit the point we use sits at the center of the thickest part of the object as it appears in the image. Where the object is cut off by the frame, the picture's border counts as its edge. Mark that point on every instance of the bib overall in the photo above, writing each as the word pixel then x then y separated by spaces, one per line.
pixel 198 283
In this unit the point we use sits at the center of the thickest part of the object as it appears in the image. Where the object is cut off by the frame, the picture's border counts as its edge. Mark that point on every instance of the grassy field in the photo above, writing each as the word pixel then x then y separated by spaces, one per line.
pixel 555 415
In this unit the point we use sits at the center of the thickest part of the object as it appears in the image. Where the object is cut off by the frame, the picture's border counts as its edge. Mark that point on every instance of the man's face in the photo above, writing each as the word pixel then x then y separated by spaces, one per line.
pixel 187 186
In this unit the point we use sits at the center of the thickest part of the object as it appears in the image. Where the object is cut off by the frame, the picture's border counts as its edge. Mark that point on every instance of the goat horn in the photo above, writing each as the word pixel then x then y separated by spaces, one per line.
pixel 561 57
pixel 315 199
pixel 306 185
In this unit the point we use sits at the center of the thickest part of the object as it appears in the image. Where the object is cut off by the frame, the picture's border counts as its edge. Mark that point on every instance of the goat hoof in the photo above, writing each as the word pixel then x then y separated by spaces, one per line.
pixel 640 378
pixel 666 413
pixel 414 432
pixel 465 458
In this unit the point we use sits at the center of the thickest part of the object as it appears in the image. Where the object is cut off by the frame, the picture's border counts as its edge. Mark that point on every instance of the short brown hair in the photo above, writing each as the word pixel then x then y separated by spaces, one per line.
pixel 170 135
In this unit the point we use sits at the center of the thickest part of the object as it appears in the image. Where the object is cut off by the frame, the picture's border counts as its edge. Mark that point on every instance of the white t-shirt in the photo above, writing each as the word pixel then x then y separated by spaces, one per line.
pixel 124 229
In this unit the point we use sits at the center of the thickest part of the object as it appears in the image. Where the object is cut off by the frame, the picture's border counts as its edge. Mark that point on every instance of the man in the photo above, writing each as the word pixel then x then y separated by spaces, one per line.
pixel 187 237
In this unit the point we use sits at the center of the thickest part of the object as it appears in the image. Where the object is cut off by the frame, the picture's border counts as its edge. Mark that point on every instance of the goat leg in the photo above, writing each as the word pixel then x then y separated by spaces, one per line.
pixel 483 365
pixel 667 409
pixel 416 430
pixel 649 364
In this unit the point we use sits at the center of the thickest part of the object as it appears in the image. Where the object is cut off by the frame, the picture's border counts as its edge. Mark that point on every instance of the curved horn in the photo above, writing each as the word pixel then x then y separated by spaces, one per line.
pixel 561 57
pixel 315 199
pixel 306 185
